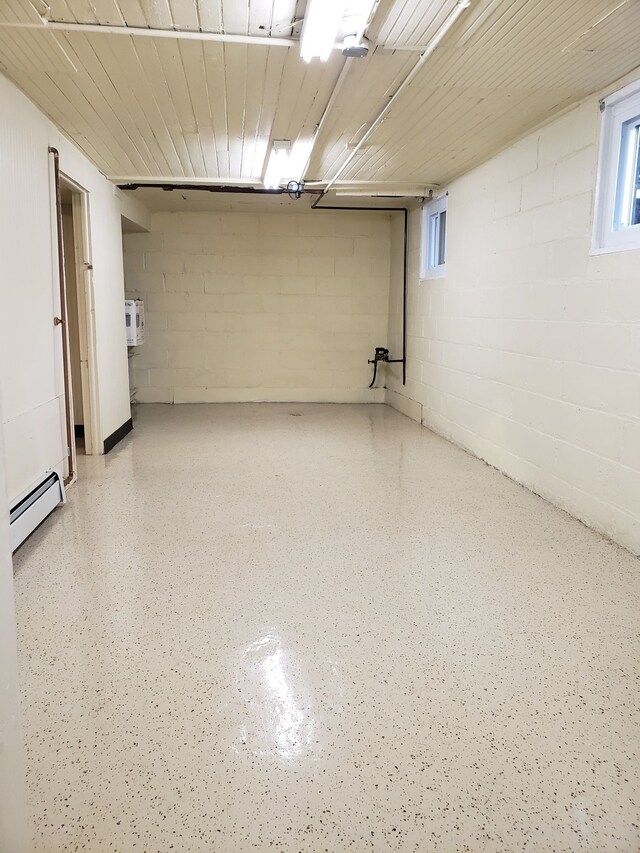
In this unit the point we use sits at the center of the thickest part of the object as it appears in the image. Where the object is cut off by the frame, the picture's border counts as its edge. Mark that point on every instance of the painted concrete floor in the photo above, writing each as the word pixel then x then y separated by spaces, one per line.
pixel 309 628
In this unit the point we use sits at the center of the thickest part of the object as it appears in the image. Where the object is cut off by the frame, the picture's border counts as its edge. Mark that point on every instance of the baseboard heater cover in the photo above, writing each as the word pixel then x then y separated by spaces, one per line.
pixel 32 510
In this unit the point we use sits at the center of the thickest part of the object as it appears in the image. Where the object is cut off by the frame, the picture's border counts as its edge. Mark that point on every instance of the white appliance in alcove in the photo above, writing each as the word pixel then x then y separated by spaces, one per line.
pixel 134 318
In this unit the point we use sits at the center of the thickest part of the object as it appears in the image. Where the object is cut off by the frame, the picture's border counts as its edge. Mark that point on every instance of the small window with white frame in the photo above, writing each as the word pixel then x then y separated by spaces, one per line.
pixel 617 211
pixel 434 239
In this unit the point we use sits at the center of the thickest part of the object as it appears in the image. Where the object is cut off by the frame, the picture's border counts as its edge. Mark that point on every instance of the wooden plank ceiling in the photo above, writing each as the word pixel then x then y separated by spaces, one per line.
pixel 182 109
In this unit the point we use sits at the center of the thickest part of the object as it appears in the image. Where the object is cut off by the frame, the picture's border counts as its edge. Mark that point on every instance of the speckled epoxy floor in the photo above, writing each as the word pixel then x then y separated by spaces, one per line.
pixel 308 628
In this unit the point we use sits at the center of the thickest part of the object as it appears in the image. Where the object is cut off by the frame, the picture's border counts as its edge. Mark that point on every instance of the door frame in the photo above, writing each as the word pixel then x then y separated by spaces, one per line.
pixel 80 208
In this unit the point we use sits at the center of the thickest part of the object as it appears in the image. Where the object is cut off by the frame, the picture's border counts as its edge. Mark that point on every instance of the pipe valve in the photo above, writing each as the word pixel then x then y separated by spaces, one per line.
pixel 381 354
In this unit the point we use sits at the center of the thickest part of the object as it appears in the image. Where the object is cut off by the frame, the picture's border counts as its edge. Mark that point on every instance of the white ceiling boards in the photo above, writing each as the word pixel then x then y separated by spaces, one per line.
pixel 164 106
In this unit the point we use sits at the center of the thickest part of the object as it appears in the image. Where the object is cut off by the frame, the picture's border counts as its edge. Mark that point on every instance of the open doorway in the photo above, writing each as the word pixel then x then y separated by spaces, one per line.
pixel 78 287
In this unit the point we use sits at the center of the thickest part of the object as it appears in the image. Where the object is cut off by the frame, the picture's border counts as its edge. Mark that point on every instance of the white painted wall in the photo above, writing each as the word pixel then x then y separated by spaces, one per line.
pixel 528 352
pixel 30 353
pixel 13 812
pixel 260 306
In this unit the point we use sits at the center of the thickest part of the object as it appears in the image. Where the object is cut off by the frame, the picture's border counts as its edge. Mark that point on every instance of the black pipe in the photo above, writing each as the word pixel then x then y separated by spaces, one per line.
pixel 315 206
pixel 405 287
pixel 374 362
pixel 212 188
pixel 381 354
pixel 405 275
pixel 209 188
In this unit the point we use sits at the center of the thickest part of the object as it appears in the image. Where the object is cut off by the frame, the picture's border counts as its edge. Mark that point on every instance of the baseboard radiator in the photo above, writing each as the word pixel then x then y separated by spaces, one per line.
pixel 32 509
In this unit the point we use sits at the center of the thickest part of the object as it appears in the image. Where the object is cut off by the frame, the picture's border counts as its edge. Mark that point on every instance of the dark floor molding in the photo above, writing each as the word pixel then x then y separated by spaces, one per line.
pixel 111 440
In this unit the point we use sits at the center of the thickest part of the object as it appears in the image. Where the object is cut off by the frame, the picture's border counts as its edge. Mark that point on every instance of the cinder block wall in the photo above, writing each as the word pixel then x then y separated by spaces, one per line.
pixel 528 352
pixel 259 306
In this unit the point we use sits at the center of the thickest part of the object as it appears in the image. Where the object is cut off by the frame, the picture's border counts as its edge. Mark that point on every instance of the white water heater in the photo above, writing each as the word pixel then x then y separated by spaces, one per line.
pixel 134 319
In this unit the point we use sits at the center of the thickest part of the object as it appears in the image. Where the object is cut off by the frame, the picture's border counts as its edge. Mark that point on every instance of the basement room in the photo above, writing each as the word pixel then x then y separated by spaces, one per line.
pixel 320 426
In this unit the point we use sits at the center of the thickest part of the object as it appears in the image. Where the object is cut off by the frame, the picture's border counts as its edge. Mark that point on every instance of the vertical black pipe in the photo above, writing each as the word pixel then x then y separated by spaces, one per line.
pixel 405 264
pixel 405 289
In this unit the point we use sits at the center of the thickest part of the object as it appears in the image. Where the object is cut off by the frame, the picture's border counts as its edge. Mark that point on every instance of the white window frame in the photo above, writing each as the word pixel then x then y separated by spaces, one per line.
pixel 430 241
pixel 610 234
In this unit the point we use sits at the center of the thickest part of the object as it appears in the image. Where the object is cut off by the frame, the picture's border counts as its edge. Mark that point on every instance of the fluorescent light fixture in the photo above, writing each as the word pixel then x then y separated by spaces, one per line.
pixel 278 163
pixel 300 154
pixel 320 28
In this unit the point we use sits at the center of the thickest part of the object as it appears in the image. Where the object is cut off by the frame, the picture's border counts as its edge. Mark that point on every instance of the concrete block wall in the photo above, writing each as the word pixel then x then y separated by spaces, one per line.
pixel 259 306
pixel 528 351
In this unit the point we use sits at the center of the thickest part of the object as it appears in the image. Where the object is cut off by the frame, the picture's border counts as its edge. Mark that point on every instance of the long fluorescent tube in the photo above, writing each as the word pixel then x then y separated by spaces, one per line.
pixel 278 164
pixel 299 158
pixel 320 28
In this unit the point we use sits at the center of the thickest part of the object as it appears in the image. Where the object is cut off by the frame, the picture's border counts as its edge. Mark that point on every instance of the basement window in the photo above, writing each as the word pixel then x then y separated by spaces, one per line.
pixel 617 219
pixel 434 239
